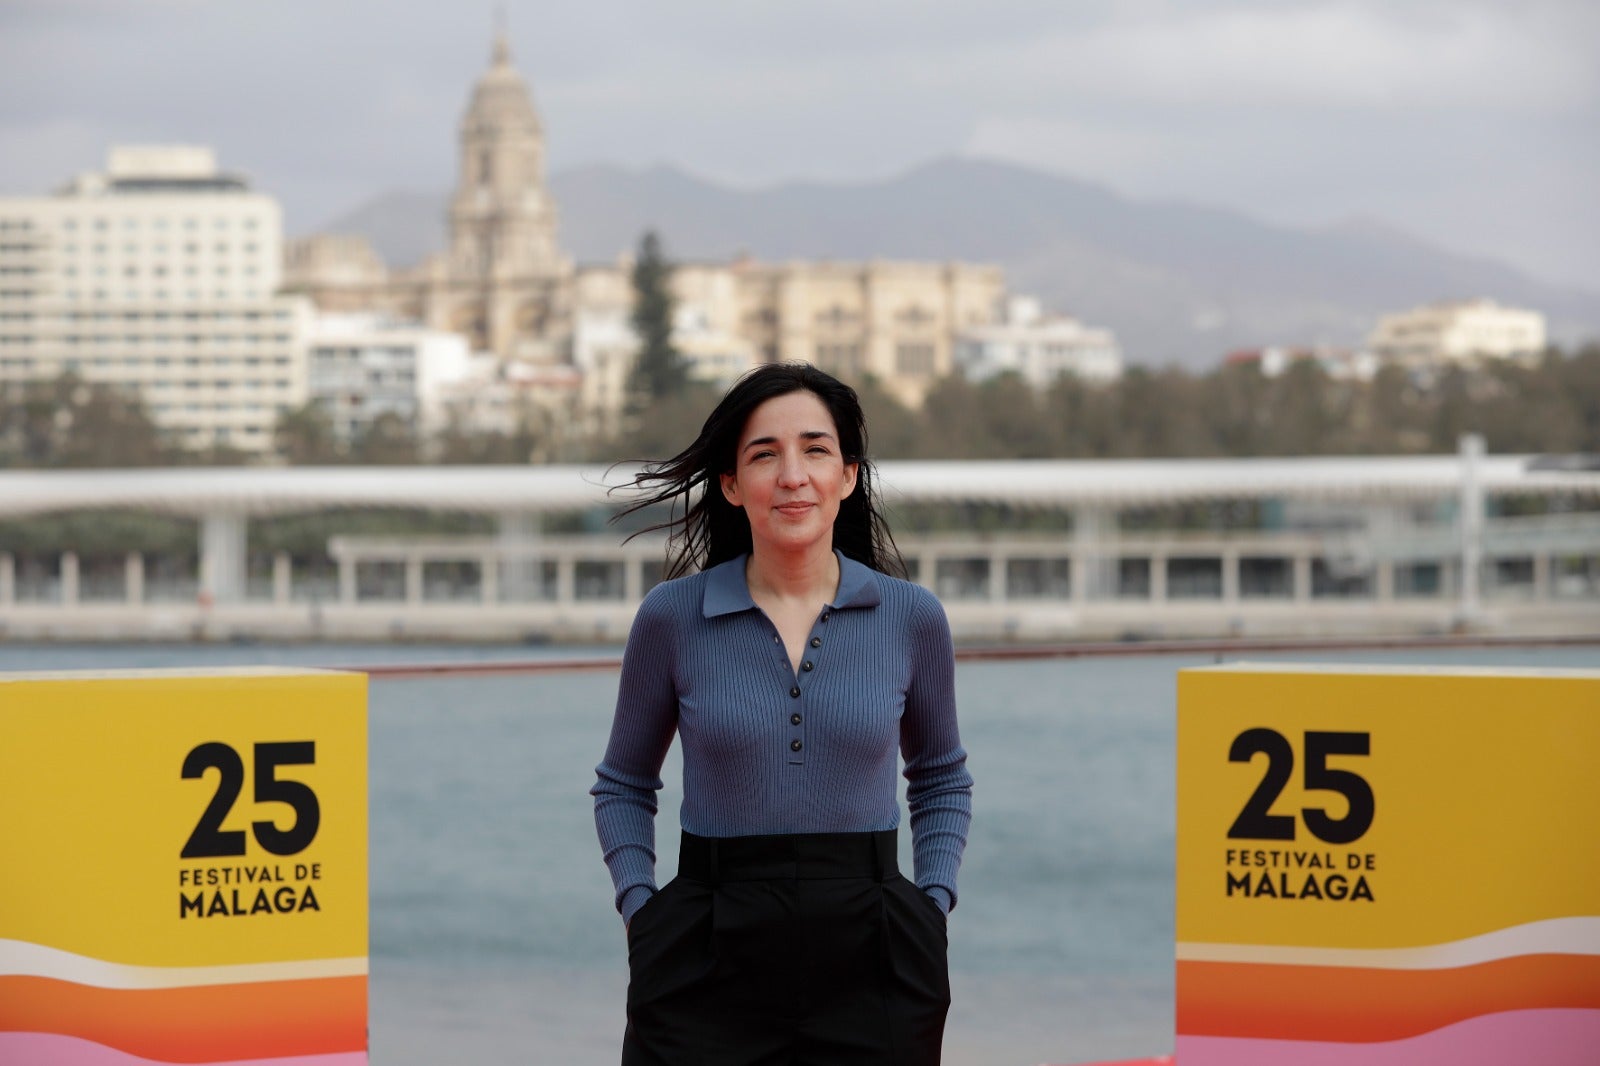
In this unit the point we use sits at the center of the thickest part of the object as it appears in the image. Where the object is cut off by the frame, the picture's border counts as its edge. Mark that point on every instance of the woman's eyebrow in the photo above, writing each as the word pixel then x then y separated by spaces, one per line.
pixel 810 434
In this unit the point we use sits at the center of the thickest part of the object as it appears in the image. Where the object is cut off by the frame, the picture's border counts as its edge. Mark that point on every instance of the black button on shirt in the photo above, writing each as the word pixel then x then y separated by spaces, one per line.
pixel 816 642
pixel 795 692
pixel 795 745
pixel 794 719
pixel 808 665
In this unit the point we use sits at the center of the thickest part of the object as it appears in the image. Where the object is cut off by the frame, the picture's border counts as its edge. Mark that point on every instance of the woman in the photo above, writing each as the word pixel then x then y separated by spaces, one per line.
pixel 793 668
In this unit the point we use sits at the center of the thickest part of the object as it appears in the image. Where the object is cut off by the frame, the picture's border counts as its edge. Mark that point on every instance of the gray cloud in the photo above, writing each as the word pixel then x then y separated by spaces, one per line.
pixel 1472 122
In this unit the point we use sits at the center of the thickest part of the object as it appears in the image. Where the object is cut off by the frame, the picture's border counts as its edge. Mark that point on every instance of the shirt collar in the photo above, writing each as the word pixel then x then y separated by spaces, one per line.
pixel 727 591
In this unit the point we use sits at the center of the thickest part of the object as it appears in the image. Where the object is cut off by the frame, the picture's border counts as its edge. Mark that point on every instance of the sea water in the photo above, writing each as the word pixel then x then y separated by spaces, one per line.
pixel 494 939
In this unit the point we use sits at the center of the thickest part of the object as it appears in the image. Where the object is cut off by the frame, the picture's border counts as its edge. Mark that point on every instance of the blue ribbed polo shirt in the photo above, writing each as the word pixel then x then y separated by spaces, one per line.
pixel 771 749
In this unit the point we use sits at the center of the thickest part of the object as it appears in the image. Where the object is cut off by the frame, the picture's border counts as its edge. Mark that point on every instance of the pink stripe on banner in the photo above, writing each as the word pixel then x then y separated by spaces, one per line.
pixel 1545 1037
pixel 49 1049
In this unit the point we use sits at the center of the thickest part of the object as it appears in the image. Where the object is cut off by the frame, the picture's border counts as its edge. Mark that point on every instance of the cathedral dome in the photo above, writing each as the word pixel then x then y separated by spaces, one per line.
pixel 500 100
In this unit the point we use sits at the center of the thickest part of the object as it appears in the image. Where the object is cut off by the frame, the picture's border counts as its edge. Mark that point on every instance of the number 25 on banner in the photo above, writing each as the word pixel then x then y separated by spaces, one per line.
pixel 210 841
pixel 1256 822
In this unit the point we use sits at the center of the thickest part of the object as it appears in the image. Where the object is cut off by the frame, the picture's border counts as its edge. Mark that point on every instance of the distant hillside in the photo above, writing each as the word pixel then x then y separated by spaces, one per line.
pixel 1179 283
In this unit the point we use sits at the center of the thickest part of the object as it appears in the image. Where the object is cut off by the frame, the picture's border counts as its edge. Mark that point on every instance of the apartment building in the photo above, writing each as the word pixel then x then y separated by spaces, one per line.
pixel 364 366
pixel 1038 347
pixel 1457 332
pixel 159 275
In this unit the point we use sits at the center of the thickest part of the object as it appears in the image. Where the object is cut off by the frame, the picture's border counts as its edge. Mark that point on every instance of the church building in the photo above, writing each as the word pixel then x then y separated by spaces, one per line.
pixel 505 284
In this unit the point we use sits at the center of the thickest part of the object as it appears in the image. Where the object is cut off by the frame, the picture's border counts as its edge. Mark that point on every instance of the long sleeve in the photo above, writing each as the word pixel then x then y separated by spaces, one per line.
pixel 629 776
pixel 938 785
pixel 768 749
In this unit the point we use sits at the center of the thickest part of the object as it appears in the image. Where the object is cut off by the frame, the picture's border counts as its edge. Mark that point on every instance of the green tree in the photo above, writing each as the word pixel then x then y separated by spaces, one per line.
pixel 892 428
pixel 674 422
pixel 387 440
pixel 1392 413
pixel 1081 417
pixel 1233 405
pixel 660 371
pixel 304 436
pixel 1454 411
pixel 1579 378
pixel 68 422
pixel 952 422
pixel 1299 420
pixel 1014 426
pixel 458 444
pixel 1156 415
pixel 99 533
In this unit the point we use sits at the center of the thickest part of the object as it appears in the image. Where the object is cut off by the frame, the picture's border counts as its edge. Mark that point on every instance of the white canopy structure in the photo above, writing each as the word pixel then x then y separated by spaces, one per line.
pixel 261 491
pixel 1366 544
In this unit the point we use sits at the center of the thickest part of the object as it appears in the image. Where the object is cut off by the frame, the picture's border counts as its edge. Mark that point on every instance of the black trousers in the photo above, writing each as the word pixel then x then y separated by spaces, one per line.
pixel 804 950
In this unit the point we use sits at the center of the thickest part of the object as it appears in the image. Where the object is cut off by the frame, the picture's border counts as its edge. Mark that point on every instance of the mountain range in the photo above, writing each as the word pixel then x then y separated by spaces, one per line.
pixel 1179 283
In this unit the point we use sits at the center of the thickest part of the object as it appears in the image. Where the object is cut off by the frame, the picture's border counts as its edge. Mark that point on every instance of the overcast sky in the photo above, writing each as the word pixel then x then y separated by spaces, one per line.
pixel 1475 124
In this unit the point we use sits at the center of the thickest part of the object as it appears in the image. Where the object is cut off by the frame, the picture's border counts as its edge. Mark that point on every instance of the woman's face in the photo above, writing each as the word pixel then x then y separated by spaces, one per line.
pixel 789 474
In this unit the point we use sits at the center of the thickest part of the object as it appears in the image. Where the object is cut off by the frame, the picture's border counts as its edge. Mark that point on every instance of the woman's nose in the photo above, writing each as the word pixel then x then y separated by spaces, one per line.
pixel 792 471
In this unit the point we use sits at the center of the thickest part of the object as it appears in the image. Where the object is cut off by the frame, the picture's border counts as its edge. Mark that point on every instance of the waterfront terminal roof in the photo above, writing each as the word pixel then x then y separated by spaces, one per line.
pixel 1044 484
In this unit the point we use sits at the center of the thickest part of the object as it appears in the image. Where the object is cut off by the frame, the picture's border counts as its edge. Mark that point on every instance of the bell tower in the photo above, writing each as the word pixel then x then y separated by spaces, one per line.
pixel 502 219
pixel 504 283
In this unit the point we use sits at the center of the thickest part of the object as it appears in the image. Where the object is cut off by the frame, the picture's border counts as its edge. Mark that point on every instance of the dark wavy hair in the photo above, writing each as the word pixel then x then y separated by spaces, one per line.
pixel 710 530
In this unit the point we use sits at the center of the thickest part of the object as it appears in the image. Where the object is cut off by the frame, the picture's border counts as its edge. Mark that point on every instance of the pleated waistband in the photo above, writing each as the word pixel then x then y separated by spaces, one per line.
pixel 802 856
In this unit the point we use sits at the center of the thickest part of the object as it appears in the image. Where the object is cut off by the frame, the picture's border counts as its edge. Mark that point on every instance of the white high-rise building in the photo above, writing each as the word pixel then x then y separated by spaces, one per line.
pixel 159 275
pixel 363 366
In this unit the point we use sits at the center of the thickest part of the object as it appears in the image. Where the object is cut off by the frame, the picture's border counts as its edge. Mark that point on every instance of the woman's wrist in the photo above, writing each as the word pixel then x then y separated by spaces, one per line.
pixel 633 899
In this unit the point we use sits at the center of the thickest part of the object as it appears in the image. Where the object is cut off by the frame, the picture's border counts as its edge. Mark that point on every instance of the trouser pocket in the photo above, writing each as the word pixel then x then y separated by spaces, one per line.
pixel 667 942
pixel 918 944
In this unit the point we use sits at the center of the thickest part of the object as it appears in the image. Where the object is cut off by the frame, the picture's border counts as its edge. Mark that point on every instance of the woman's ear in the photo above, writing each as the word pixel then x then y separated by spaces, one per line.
pixel 849 486
pixel 730 488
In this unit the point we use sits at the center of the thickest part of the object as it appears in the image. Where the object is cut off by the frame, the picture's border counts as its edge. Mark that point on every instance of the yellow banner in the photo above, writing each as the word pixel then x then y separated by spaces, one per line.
pixel 1374 808
pixel 1380 865
pixel 185 819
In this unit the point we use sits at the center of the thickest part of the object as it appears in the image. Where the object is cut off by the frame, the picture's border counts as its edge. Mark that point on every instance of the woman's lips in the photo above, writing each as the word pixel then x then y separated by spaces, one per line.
pixel 794 510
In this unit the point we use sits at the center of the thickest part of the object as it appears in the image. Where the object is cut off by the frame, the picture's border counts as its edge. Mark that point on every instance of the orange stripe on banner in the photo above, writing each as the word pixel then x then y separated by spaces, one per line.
pixel 210 1023
pixel 1357 1004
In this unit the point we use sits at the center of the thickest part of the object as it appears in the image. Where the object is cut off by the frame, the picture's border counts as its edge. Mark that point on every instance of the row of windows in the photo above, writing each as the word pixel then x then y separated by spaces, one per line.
pixel 107 367
pixel 402 380
pixel 171 316
pixel 840 358
pixel 130 271
pixel 159 409
pixel 158 248
pixel 226 366
pixel 220 385
pixel 914 359
pixel 345 402
pixel 135 339
pixel 1061 351
pixel 839 317
pixel 351 355
pixel 160 222
pixel 134 295
pixel 221 434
